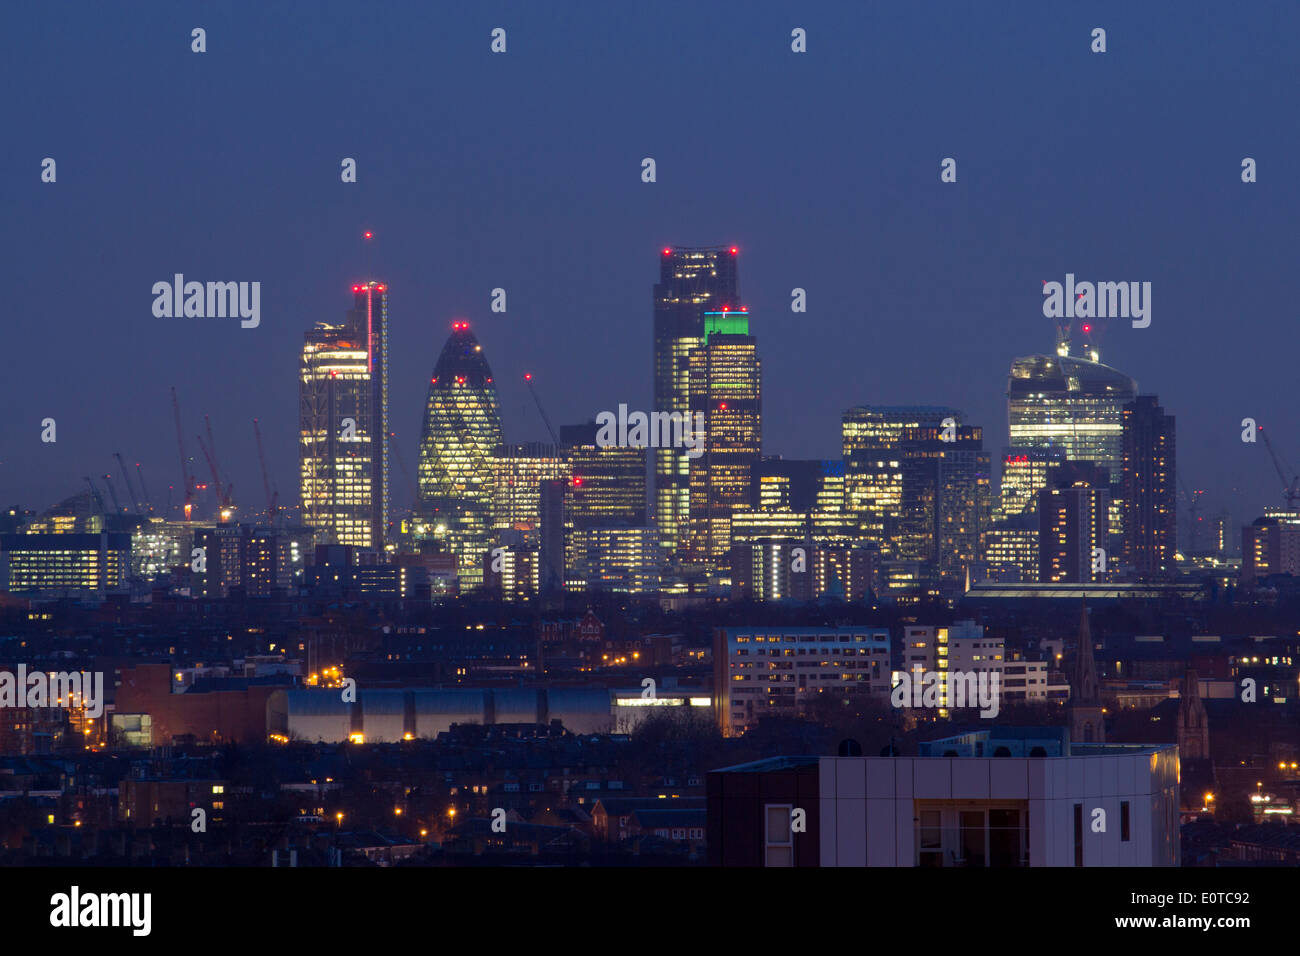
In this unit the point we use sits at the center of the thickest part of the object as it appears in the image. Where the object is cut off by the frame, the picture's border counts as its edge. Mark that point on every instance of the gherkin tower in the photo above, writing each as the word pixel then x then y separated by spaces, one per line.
pixel 462 429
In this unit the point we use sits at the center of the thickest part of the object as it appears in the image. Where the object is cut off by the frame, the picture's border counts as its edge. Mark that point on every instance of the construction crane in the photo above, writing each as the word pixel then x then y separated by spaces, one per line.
pixel 144 491
pixel 1290 486
pixel 415 490
pixel 186 478
pixel 272 499
pixel 95 497
pixel 212 447
pixel 223 491
pixel 1193 516
pixel 117 505
pixel 126 476
pixel 212 465
pixel 528 377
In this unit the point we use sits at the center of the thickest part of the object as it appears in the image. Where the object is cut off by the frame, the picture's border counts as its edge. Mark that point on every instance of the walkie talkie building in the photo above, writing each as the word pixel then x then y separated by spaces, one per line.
pixel 1072 405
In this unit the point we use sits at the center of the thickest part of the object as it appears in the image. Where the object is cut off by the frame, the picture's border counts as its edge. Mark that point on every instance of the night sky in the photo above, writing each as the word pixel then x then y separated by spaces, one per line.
pixel 522 171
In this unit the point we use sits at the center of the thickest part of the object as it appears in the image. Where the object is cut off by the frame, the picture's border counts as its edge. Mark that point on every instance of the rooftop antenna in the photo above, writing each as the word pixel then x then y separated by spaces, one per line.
pixel 367 237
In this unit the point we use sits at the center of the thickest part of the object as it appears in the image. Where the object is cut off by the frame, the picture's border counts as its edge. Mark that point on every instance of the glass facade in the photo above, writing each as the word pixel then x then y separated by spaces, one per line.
pixel 609 484
pixel 691 282
pixel 343 423
pixel 873 459
pixel 1057 402
pixel 462 430
pixel 725 389
pixel 518 471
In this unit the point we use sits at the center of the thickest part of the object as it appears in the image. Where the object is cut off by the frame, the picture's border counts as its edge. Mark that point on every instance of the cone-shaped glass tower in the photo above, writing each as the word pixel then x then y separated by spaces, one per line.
pixel 462 428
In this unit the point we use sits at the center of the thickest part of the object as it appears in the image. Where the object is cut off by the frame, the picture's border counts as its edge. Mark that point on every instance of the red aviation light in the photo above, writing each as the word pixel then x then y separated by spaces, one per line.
pixel 577 482
pixel 723 406
pixel 367 235
pixel 667 251
pixel 528 376
pixel 383 288
pixel 356 288
pixel 734 250
pixel 1087 329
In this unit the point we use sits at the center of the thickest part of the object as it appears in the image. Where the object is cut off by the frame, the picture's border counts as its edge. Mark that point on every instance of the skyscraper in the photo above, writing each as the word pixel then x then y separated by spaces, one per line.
pixel 1073 522
pixel 726 395
pixel 462 430
pixel 1011 544
pixel 947 500
pixel 518 471
pixel 873 438
pixel 609 483
pixel 691 282
pixel 343 422
pixel 1074 404
pixel 1025 472
pixel 1149 489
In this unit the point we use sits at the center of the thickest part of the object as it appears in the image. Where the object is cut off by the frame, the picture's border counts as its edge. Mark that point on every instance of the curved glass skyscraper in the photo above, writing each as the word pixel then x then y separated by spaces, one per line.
pixel 1072 405
pixel 462 429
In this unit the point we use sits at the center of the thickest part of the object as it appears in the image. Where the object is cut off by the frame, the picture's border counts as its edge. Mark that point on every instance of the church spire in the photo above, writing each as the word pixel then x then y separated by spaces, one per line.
pixel 1083 678
pixel 1087 723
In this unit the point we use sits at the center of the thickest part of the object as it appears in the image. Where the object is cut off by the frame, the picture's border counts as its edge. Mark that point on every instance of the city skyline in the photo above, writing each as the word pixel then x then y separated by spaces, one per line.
pixel 1025 418
pixel 649 437
pixel 889 304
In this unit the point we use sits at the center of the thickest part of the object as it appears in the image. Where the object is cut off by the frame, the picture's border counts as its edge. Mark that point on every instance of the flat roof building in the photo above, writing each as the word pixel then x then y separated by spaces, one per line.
pixel 1003 797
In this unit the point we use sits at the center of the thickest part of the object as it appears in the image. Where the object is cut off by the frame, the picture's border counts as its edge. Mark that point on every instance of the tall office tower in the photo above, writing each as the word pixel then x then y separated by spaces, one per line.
pixel 462 428
pixel 692 281
pixel 1270 545
pixel 946 498
pixel 553 546
pixel 1074 404
pixel 518 471
pixel 811 488
pixel 1011 544
pixel 873 461
pixel 343 423
pixel 609 484
pixel 618 559
pixel 1073 523
pixel 1011 548
pixel 1025 472
pixel 1150 489
pixel 1222 543
pixel 726 395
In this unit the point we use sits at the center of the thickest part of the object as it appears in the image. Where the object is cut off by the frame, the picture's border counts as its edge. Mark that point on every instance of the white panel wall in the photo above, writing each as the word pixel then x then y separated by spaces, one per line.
pixel 868 818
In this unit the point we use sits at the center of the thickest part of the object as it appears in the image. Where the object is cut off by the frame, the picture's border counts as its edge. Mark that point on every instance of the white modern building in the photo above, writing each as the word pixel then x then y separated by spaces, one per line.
pixel 1093 805
pixel 1024 682
pixel 962 648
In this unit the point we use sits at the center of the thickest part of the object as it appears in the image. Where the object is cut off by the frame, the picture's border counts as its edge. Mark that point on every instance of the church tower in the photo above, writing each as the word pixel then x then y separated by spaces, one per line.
pixel 1087 724
pixel 1193 728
